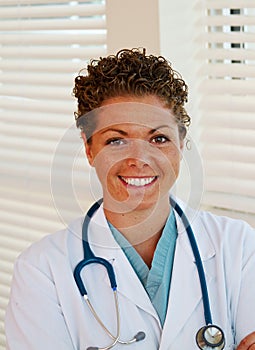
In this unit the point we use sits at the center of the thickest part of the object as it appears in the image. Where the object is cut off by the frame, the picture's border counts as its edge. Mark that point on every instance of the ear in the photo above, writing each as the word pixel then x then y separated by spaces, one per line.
pixel 182 144
pixel 88 149
pixel 181 147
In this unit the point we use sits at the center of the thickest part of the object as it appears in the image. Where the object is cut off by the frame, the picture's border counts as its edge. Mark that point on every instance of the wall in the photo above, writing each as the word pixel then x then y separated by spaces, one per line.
pixel 131 24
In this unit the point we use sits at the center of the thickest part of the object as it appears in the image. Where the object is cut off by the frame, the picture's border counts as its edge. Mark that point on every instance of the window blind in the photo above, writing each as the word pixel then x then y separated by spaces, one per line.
pixel 227 103
pixel 43 45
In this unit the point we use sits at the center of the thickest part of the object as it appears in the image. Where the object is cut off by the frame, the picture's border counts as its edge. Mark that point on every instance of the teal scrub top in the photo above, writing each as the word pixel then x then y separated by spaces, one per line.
pixel 157 279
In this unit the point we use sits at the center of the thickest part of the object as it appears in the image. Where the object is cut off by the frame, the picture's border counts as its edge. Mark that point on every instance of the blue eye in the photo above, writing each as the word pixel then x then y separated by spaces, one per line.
pixel 160 139
pixel 115 142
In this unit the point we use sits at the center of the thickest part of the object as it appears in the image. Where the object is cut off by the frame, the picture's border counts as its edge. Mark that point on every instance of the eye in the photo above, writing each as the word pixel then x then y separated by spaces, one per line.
pixel 160 139
pixel 116 141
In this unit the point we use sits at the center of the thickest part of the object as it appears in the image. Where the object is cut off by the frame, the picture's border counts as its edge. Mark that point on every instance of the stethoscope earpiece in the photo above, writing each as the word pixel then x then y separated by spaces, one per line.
pixel 210 337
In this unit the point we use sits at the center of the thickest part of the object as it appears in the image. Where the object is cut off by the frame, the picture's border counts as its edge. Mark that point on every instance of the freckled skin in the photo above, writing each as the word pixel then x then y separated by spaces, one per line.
pixel 147 147
pixel 248 343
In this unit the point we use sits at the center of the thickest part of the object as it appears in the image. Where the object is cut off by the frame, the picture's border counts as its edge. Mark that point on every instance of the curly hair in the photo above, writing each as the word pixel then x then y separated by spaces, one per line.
pixel 131 72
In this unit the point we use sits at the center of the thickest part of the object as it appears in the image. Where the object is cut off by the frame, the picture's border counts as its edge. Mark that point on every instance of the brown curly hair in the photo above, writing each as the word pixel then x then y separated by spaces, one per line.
pixel 131 72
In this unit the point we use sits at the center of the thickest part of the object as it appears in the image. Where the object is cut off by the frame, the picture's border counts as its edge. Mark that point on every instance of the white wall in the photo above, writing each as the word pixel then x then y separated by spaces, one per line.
pixel 132 23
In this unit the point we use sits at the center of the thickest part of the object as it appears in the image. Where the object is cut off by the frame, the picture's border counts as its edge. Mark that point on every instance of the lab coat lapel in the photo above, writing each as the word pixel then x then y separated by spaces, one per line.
pixel 185 290
pixel 130 286
pixel 104 245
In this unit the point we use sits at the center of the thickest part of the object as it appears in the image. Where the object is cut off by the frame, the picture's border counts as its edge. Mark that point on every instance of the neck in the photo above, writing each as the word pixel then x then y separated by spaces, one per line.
pixel 142 228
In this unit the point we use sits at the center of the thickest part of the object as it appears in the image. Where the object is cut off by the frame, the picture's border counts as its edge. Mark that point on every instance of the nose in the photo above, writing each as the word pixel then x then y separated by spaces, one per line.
pixel 139 154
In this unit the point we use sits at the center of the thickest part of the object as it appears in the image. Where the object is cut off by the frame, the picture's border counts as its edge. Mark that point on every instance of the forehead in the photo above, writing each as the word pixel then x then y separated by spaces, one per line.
pixel 133 113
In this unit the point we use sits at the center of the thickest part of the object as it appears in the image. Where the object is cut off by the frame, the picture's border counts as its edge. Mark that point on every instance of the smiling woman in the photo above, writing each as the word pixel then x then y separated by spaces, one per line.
pixel 133 124
pixel 137 160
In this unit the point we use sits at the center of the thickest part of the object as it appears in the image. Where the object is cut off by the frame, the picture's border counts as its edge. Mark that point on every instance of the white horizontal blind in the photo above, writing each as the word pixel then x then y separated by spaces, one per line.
pixel 227 105
pixel 43 45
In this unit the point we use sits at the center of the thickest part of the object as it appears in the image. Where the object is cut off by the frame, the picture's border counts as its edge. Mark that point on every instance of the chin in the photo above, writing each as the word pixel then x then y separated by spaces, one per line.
pixel 125 206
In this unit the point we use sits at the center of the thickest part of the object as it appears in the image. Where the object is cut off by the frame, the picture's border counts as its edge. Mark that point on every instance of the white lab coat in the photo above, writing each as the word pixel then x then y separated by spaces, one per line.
pixel 46 310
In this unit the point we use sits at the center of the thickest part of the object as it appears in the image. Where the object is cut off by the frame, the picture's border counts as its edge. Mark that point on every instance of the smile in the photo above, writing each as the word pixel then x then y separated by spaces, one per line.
pixel 138 181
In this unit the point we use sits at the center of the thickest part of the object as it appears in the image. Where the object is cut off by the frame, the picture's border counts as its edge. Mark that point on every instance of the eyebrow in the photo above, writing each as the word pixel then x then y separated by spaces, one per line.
pixel 158 128
pixel 120 131
pixel 124 133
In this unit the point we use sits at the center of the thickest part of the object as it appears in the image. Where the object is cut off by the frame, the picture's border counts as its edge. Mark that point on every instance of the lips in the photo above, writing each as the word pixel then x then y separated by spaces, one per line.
pixel 138 181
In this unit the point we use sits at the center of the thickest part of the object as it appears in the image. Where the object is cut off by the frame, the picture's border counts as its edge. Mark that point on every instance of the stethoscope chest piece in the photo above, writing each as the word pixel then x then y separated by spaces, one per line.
pixel 210 337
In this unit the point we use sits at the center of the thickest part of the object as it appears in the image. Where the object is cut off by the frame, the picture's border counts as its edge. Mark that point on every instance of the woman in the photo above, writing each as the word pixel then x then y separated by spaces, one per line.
pixel 133 124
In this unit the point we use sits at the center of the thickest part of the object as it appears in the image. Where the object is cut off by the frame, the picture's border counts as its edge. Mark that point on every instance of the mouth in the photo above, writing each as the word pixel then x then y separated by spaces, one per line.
pixel 138 181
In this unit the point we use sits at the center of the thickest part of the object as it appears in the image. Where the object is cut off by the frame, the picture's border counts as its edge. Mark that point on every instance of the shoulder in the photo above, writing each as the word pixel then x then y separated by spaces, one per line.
pixel 219 230
pixel 215 223
pixel 54 248
pixel 229 236
pixel 225 225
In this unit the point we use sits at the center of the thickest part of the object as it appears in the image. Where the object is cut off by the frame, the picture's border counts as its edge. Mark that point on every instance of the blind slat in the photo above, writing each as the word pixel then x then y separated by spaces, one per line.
pixel 230 120
pixel 235 170
pixel 38 144
pixel 60 38
pixel 221 4
pixel 42 199
pixel 52 11
pixel 20 194
pixel 229 86
pixel 229 136
pixel 22 78
pixel 54 56
pixel 46 52
pixel 39 132
pixel 32 118
pixel 233 20
pixel 40 65
pixel 42 92
pixel 231 185
pixel 228 103
pixel 232 37
pixel 229 54
pixel 229 70
pixel 43 2
pixel 234 153
pixel 39 223
pixel 46 24
pixel 18 174
pixel 55 106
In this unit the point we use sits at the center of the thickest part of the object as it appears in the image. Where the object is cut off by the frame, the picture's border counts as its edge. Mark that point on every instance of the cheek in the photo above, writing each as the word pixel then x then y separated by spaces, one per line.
pixel 170 159
pixel 105 165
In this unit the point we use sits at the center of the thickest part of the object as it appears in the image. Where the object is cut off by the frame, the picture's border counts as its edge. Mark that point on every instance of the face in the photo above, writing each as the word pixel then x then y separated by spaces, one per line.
pixel 136 151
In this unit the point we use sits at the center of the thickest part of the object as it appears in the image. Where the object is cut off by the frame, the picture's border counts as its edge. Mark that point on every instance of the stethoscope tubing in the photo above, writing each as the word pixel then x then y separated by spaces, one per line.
pixel 86 247
pixel 90 258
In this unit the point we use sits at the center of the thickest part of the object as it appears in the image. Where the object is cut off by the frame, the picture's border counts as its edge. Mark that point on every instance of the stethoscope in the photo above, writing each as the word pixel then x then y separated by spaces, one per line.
pixel 208 337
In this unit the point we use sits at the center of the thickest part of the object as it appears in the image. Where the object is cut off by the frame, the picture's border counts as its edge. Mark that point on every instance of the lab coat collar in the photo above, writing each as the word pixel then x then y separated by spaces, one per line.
pixel 203 240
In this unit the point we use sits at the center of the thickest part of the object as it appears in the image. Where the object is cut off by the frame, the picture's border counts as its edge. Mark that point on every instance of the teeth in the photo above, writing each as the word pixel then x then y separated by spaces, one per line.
pixel 138 182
